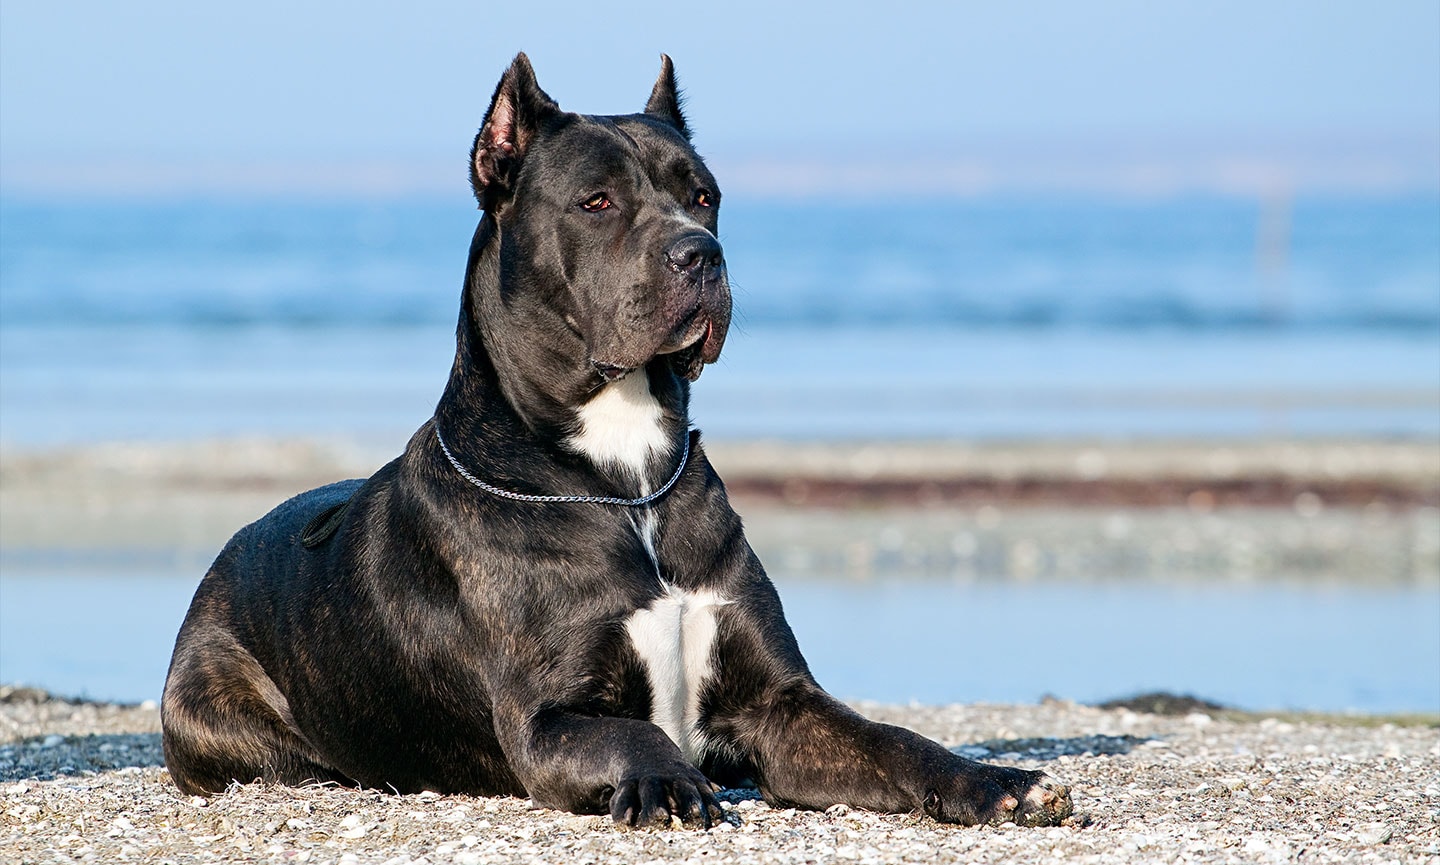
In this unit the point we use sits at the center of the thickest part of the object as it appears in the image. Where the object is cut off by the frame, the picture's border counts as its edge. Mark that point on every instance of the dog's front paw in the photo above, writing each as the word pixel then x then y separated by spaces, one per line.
pixel 980 793
pixel 652 800
pixel 1046 802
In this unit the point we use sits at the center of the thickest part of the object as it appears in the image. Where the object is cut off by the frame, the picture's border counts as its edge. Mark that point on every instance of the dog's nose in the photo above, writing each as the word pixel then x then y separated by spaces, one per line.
pixel 694 252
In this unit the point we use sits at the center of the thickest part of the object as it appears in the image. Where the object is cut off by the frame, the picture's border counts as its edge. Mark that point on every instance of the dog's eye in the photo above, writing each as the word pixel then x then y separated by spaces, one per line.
pixel 704 198
pixel 596 203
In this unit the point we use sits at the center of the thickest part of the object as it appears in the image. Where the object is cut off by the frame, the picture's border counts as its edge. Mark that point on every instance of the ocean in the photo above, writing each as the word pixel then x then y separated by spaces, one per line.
pixel 1006 318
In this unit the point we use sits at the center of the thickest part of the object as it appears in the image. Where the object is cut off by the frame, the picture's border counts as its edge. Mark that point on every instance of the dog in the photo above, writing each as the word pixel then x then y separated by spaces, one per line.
pixel 548 594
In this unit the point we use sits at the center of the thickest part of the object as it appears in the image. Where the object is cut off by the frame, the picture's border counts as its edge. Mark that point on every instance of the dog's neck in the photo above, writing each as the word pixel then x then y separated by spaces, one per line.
pixel 522 382
pixel 622 427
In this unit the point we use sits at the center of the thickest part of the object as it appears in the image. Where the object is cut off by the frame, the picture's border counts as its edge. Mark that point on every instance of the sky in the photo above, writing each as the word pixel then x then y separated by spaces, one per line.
pixel 792 98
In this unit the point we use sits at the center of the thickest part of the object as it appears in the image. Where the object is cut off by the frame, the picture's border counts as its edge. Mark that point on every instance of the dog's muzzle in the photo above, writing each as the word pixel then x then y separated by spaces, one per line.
pixel 693 315
pixel 699 336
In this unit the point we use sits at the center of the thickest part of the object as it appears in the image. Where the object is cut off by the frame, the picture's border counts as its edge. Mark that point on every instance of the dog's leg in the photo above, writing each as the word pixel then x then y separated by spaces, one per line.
pixel 593 765
pixel 809 750
pixel 224 720
pixel 813 751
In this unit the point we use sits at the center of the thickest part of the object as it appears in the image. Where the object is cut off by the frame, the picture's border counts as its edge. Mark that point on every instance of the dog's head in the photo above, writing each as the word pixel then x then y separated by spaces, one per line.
pixel 611 218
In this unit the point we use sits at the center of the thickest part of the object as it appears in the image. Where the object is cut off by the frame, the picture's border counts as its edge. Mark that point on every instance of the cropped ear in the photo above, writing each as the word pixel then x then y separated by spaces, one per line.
pixel 516 111
pixel 665 98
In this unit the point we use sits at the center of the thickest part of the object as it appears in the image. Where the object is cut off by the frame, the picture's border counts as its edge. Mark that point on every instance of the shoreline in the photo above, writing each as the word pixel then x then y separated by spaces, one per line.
pixel 1400 471
pixel 1349 511
pixel 84 782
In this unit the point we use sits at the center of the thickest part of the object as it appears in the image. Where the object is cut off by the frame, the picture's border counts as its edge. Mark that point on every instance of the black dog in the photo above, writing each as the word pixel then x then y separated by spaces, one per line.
pixel 547 594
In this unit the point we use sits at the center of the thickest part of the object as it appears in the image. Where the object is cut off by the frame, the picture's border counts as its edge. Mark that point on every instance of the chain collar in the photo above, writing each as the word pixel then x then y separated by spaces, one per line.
pixel 599 500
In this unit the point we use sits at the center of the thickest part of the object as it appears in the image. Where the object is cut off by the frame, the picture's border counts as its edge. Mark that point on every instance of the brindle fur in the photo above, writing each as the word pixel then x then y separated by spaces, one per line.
pixel 446 639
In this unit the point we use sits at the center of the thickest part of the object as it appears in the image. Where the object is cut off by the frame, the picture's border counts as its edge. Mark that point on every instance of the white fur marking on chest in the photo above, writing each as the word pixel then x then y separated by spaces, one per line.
pixel 645 524
pixel 621 425
pixel 674 636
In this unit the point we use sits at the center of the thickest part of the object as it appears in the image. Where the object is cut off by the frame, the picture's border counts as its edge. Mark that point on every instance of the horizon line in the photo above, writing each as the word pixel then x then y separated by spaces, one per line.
pixel 766 178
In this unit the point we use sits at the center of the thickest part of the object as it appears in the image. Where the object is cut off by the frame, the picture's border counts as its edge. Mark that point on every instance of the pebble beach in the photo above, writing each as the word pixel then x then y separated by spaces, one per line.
pixel 84 782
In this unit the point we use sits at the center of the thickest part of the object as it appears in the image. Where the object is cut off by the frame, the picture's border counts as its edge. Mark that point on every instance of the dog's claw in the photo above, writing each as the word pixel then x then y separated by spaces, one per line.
pixel 657 802
pixel 623 804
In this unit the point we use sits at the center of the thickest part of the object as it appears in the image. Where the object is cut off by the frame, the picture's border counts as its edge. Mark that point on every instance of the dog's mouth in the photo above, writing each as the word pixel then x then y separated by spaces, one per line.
pixel 693 330
pixel 694 340
pixel 609 371
pixel 695 344
pixel 688 360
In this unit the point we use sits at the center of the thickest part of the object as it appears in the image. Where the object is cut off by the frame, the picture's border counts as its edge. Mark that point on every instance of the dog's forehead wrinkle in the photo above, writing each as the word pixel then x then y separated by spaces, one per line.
pixel 582 160
pixel 596 136
pixel 623 134
pixel 665 154
pixel 649 128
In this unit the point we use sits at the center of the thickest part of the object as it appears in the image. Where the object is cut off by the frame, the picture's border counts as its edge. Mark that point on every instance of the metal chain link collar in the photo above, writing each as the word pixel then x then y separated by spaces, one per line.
pixel 599 500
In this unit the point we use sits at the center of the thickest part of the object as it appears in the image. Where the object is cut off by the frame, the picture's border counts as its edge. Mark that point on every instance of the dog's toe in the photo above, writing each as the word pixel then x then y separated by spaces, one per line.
pixel 655 803
pixel 625 803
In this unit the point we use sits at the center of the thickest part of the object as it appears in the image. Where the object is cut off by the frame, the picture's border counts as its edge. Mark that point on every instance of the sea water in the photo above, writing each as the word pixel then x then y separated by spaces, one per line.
pixel 1282 645
pixel 979 318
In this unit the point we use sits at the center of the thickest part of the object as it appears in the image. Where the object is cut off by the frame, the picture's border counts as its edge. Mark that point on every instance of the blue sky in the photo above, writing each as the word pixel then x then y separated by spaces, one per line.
pixel 137 95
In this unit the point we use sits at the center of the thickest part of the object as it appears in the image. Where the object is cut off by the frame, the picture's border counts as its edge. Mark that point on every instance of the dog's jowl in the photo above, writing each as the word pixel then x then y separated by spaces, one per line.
pixel 547 594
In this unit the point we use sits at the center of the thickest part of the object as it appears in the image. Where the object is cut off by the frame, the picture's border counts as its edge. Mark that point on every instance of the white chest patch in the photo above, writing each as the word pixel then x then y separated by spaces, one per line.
pixel 674 636
pixel 620 426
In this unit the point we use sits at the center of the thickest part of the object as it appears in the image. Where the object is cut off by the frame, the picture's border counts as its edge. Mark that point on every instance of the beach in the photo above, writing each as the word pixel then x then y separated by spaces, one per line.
pixel 1359 503
pixel 85 783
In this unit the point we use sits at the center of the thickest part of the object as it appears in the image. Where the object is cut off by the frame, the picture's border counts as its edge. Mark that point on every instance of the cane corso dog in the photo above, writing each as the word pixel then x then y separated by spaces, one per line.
pixel 547 594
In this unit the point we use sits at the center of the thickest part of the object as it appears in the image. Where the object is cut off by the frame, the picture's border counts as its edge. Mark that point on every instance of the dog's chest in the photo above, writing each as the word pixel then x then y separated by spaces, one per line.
pixel 674 635
pixel 675 638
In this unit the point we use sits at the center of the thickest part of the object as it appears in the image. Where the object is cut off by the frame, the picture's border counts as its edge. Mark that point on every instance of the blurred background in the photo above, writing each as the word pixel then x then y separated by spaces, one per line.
pixel 1080 349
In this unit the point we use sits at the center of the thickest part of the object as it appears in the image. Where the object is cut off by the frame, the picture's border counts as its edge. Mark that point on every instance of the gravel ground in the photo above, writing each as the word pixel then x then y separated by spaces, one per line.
pixel 85 782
